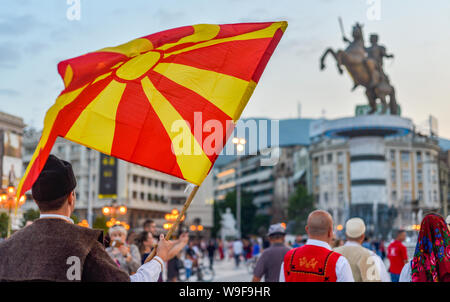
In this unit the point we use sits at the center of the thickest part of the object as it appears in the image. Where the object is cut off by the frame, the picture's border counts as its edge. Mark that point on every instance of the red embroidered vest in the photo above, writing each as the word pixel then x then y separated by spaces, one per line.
pixel 310 263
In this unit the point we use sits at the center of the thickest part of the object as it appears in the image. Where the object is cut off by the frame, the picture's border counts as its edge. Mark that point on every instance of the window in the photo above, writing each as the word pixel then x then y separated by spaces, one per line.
pixel 341 196
pixel 149 197
pixel 340 177
pixel 394 195
pixel 321 159
pixel 406 176
pixel 142 196
pixel 392 155
pixel 419 175
pixel 329 157
pixel 406 196
pixel 419 156
pixel 134 195
pixel 325 196
pixel 393 175
pixel 435 196
pixel 149 181
pixel 405 156
pixel 156 182
pixel 420 195
pixel 316 180
pixel 340 157
pixel 135 178
pixel 142 180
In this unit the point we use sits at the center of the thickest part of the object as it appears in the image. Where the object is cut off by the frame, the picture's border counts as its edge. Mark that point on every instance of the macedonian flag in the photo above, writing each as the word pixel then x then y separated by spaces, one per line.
pixel 163 101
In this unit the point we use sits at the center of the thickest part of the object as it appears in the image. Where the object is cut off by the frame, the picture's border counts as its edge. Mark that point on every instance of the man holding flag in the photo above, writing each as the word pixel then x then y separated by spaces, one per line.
pixel 130 102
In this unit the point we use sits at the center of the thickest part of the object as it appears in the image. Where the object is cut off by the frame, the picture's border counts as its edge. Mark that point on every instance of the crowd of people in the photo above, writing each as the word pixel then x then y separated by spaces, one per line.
pixel 53 248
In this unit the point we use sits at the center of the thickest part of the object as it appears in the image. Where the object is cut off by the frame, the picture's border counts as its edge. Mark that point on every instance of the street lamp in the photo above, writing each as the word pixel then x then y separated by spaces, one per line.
pixel 240 146
pixel 171 218
pixel 8 200
pixel 114 212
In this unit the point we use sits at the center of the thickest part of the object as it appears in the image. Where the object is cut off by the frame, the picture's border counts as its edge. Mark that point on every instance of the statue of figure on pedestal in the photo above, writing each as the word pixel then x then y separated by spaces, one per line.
pixel 365 66
pixel 228 225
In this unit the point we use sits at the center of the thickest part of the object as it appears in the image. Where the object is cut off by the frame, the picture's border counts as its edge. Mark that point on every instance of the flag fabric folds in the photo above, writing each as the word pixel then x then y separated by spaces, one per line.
pixel 141 101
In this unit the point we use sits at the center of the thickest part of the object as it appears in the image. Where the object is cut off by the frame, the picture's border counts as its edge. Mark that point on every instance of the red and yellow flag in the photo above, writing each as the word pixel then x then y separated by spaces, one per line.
pixel 132 101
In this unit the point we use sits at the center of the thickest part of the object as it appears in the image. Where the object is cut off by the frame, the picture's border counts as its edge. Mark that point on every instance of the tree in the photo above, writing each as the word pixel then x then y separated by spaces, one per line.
pixel 75 218
pixel 248 212
pixel 100 223
pixel 3 225
pixel 300 205
pixel 30 215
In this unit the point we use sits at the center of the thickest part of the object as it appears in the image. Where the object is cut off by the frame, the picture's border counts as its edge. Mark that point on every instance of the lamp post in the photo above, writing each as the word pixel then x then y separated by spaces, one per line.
pixel 240 146
pixel 8 200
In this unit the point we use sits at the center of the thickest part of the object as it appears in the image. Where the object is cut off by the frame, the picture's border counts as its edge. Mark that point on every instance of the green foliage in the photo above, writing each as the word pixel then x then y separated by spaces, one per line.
pixel 100 223
pixel 248 212
pixel 30 215
pixel 75 219
pixel 261 224
pixel 300 205
pixel 3 225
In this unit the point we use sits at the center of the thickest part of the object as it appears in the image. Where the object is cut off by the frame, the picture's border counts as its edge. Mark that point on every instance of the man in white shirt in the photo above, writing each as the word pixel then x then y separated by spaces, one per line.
pixel 238 248
pixel 315 254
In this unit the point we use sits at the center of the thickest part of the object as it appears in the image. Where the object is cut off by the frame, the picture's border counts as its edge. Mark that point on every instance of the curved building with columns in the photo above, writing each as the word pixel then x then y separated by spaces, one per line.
pixel 375 167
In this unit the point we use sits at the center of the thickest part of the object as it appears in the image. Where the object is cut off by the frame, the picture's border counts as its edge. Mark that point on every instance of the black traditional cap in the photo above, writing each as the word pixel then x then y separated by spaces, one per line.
pixel 55 181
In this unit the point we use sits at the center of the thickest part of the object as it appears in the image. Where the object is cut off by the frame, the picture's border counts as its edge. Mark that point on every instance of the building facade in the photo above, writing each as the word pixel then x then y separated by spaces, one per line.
pixel 407 166
pixel 270 185
pixel 11 137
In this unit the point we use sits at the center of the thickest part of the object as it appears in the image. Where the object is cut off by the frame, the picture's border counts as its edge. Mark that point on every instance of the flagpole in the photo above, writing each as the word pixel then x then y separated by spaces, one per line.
pixel 177 222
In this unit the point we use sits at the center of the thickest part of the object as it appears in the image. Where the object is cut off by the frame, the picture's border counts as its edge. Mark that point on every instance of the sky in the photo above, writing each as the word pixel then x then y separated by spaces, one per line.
pixel 35 35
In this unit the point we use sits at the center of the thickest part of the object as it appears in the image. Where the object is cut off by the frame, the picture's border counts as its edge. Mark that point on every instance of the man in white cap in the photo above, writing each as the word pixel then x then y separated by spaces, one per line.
pixel 366 265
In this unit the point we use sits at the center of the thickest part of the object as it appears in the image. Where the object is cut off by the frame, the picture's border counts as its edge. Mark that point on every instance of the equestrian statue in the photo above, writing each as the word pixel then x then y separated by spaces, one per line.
pixel 365 66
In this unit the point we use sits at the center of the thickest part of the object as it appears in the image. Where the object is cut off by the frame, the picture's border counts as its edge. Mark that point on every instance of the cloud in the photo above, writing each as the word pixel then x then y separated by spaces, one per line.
pixel 9 92
pixel 9 55
pixel 17 25
pixel 167 17
pixel 34 48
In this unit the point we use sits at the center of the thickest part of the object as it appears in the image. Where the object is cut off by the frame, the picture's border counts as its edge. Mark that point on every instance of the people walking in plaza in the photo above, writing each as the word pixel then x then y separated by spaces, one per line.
pixel 247 250
pixel 256 248
pixel 221 250
pixel 42 251
pixel 365 264
pixel 269 263
pixel 211 248
pixel 315 261
pixel 431 261
pixel 126 255
pixel 397 255
pixel 298 241
pixel 238 249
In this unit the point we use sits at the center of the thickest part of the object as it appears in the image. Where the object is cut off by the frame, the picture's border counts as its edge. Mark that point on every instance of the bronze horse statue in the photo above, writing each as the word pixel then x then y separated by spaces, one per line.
pixel 365 71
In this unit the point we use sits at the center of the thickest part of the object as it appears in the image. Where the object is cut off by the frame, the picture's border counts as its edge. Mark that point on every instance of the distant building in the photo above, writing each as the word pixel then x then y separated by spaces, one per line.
pixel 271 183
pixel 396 173
pixel 11 133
